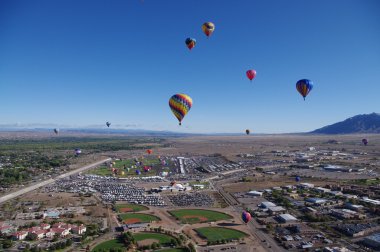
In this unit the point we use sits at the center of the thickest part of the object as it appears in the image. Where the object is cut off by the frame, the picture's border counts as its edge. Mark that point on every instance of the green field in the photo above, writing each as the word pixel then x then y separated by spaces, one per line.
pixel 152 161
pixel 123 208
pixel 192 216
pixel 130 218
pixel 161 238
pixel 108 245
pixel 218 233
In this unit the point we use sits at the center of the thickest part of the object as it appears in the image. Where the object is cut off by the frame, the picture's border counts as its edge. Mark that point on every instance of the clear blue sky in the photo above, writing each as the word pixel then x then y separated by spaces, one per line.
pixel 83 62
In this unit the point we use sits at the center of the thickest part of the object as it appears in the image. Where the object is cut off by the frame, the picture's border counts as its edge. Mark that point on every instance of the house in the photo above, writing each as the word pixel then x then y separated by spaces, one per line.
pixel 60 231
pixel 59 224
pixel 255 193
pixel 39 234
pixel 267 204
pixel 21 235
pixel 45 226
pixel 79 229
pixel 6 229
pixel 50 234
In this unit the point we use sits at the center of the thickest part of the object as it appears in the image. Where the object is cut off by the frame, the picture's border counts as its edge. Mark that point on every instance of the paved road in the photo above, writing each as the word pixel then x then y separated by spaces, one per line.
pixel 49 181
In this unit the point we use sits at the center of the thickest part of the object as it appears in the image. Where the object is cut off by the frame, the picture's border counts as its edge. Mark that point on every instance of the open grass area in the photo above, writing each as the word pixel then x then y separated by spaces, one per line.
pixel 217 233
pixel 131 218
pixel 107 245
pixel 192 216
pixel 151 161
pixel 125 208
pixel 161 238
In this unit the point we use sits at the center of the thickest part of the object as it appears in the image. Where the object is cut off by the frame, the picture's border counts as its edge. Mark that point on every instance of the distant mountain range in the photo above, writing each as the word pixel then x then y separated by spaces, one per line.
pixel 367 123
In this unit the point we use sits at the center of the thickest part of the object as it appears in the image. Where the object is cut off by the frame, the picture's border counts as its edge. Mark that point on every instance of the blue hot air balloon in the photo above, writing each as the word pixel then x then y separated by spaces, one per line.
pixel 304 87
pixel 298 178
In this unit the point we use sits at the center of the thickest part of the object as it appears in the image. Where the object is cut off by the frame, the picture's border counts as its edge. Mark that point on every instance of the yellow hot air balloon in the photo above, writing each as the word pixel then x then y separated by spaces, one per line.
pixel 208 28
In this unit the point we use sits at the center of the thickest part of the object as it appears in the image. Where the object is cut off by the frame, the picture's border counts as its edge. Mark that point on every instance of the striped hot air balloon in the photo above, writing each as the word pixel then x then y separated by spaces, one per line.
pixel 180 104
pixel 190 43
pixel 246 217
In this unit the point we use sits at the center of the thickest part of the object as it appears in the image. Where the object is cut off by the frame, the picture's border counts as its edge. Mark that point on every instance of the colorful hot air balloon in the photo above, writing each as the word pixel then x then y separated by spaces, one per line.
pixel 149 151
pixel 108 124
pixel 298 178
pixel 365 141
pixel 304 87
pixel 56 131
pixel 208 28
pixel 247 131
pixel 146 168
pixel 138 172
pixel 246 217
pixel 251 74
pixel 190 42
pixel 180 104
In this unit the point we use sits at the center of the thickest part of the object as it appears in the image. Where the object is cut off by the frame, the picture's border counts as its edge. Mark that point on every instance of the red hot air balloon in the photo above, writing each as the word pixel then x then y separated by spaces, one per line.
pixel 251 74
pixel 149 151
pixel 246 217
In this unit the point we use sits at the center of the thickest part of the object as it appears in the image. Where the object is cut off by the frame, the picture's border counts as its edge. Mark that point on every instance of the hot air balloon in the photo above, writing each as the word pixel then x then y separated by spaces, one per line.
pixel 146 168
pixel 122 173
pixel 247 131
pixel 138 172
pixel 149 151
pixel 208 28
pixel 56 131
pixel 298 178
pixel 190 42
pixel 365 141
pixel 246 217
pixel 304 87
pixel 108 124
pixel 251 74
pixel 78 151
pixel 180 104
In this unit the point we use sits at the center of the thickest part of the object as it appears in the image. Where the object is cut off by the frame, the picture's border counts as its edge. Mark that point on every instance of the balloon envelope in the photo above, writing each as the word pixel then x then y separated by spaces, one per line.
pixel 78 151
pixel 298 178
pixel 108 124
pixel 208 28
pixel 247 131
pixel 138 172
pixel 56 131
pixel 251 74
pixel 304 87
pixel 246 217
pixel 180 104
pixel 149 151
pixel 364 141
pixel 190 43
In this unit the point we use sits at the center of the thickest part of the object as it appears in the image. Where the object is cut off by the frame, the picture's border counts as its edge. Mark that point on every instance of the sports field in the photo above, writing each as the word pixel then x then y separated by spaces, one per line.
pixel 107 245
pixel 192 216
pixel 219 233
pixel 153 237
pixel 125 208
pixel 131 218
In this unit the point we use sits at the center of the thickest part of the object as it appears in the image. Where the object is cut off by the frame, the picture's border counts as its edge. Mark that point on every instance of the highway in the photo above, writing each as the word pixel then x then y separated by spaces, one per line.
pixel 49 181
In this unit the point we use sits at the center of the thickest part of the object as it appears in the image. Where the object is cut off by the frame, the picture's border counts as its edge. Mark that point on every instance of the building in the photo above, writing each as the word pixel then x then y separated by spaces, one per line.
pixel 356 208
pixel 60 231
pixel 45 226
pixel 276 210
pixel 336 249
pixel 346 214
pixel 306 185
pixel 316 201
pixel 255 193
pixel 373 241
pixel 267 204
pixel 21 235
pixel 287 218
pixel 78 229
pixel 371 201
pixel 6 229
pixel 38 234
pixel 322 190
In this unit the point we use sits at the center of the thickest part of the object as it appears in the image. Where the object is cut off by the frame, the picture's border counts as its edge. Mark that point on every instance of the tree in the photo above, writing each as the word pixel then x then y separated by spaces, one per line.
pixel 192 247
